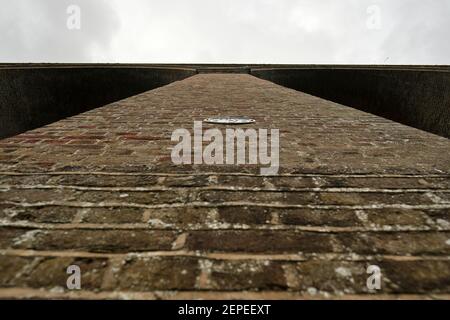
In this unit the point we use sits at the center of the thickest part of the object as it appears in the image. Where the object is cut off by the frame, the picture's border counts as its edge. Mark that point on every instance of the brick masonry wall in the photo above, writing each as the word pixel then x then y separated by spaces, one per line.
pixel 36 95
pixel 415 96
pixel 99 190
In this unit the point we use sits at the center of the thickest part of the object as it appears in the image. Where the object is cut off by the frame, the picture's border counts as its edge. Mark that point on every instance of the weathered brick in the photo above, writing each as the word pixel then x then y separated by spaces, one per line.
pixel 139 197
pixel 416 276
pixel 52 273
pixel 349 277
pixel 384 183
pixel 157 273
pixel 91 240
pixel 262 197
pixel 178 217
pixel 111 215
pixel 7 236
pixel 337 218
pixel 185 181
pixel 40 214
pixel 397 243
pixel 260 241
pixel 241 181
pixel 244 275
pixel 304 198
pixel 337 277
pixel 353 218
pixel 10 266
pixel 291 182
pixel 395 217
pixel 91 180
pixel 245 215
pixel 440 216
pixel 352 198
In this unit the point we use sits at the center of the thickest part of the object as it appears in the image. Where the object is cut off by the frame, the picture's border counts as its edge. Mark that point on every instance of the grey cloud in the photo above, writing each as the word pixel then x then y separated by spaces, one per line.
pixel 230 31
pixel 36 30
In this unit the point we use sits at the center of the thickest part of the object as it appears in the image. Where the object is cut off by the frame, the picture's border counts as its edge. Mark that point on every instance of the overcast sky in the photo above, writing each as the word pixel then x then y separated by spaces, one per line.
pixel 226 31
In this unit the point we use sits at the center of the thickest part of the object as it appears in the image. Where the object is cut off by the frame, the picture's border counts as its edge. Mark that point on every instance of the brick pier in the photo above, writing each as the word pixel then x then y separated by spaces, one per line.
pixel 99 190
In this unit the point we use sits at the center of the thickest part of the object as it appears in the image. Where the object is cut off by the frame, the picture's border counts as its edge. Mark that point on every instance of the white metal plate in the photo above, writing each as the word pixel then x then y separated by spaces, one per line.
pixel 229 120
